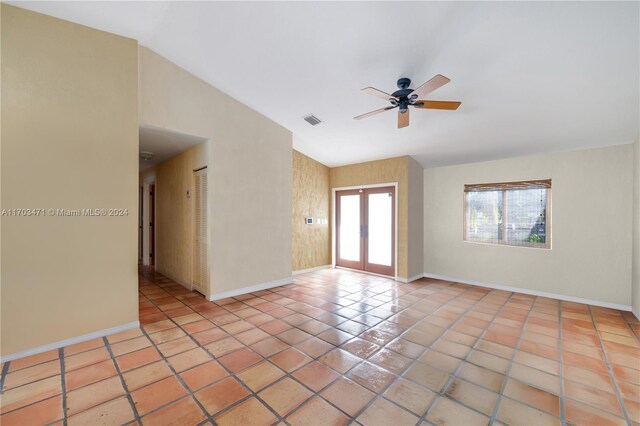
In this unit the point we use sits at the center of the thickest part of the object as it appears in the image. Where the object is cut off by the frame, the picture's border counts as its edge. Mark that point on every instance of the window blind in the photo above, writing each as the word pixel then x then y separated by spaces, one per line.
pixel 509 213
pixel 525 184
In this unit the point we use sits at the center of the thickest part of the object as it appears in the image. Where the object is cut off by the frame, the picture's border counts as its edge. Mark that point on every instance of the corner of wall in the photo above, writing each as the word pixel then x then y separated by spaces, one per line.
pixel 635 250
pixel 415 179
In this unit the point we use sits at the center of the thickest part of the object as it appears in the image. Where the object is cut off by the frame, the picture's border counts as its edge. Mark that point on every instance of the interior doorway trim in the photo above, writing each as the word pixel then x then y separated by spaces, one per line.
pixel 334 221
pixel 146 249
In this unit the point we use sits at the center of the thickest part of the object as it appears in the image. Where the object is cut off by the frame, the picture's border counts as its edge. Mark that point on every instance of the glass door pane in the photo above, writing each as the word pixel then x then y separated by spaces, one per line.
pixel 349 230
pixel 380 228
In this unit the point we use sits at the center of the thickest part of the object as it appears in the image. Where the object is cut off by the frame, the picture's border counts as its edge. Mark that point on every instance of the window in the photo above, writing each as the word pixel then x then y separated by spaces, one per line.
pixel 511 213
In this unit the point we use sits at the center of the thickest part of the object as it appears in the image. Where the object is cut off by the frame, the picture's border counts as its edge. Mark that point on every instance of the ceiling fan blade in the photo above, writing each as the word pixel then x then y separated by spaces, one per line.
pixel 403 119
pixel 378 93
pixel 369 114
pixel 450 105
pixel 430 86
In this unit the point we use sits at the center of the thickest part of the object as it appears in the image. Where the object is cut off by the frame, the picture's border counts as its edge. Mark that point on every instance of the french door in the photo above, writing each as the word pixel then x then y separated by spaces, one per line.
pixel 365 229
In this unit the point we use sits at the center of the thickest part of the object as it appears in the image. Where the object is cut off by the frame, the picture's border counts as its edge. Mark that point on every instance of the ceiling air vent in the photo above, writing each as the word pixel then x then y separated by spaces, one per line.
pixel 312 119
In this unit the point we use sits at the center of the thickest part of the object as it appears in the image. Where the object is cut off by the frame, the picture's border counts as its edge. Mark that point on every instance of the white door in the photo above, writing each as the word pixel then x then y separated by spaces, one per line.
pixel 200 257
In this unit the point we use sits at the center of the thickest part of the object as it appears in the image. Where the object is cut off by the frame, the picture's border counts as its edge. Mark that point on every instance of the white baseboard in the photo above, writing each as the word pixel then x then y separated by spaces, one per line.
pixel 251 289
pixel 317 268
pixel 532 292
pixel 72 341
pixel 410 279
pixel 636 312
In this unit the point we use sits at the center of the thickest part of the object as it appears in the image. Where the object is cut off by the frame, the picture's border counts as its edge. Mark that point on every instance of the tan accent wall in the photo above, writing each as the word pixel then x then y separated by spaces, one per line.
pixel 311 244
pixel 249 172
pixel 591 217
pixel 69 141
pixel 381 171
pixel 635 279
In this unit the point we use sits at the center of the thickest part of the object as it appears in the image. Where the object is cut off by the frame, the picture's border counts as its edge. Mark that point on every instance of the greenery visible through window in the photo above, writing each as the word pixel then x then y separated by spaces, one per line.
pixel 511 213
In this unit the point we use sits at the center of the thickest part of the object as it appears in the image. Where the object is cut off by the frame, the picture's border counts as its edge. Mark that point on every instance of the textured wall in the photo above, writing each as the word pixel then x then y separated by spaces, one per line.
pixel 591 222
pixel 382 171
pixel 69 141
pixel 311 244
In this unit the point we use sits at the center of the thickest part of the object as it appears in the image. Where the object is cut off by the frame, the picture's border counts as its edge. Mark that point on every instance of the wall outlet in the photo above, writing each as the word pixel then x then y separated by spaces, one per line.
pixel 308 220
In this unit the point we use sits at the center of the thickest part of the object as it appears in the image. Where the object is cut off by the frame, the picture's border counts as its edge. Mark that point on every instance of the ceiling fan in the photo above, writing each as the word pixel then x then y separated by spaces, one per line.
pixel 405 97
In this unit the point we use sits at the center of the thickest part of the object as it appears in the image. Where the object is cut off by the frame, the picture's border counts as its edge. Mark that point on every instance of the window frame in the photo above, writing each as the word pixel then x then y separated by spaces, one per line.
pixel 504 187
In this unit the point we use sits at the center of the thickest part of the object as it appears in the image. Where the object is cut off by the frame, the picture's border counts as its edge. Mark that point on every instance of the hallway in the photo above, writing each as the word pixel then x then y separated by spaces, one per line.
pixel 429 351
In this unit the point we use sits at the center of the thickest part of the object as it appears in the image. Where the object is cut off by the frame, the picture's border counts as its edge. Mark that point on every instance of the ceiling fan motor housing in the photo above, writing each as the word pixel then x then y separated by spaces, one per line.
pixel 403 83
pixel 402 94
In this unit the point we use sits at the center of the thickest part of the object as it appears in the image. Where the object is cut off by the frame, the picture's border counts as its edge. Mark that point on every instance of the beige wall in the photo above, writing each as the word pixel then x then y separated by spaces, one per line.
pixel 591 225
pixel 415 229
pixel 69 140
pixel 311 244
pixel 382 171
pixel 636 229
pixel 249 172
pixel 174 212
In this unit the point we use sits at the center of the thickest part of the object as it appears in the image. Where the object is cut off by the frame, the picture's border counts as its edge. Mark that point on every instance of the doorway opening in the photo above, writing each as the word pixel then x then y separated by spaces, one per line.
pixel 147 229
pixel 152 219
pixel 365 231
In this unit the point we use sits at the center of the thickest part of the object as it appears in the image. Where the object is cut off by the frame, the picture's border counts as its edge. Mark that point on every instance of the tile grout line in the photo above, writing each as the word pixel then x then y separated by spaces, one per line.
pixel 63 385
pixel 612 376
pixel 251 393
pixel 561 361
pixel 229 373
pixel 633 331
pixel 335 347
pixel 345 376
pixel 136 415
pixel 113 358
pixel 306 291
pixel 177 376
pixel 492 419
pixel 3 375
pixel 454 375
pixel 426 348
pixel 380 394
pixel 316 359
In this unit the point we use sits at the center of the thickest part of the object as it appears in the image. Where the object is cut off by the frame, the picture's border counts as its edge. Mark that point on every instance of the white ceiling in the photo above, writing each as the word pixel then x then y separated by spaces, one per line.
pixel 533 77
pixel 163 144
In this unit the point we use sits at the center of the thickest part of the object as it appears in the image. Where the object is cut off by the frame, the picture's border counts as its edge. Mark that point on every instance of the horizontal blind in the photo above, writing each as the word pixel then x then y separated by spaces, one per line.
pixel 510 213
pixel 501 186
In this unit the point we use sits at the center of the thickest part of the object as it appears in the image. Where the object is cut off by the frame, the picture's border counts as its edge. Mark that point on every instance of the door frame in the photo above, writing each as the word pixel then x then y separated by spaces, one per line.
pixel 146 238
pixel 334 223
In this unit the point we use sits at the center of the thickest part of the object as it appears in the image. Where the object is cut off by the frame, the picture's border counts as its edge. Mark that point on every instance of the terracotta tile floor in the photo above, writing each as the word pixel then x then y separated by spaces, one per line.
pixel 337 347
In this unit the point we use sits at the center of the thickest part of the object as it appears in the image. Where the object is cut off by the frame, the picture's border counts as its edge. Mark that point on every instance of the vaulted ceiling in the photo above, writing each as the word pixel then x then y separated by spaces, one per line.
pixel 533 77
